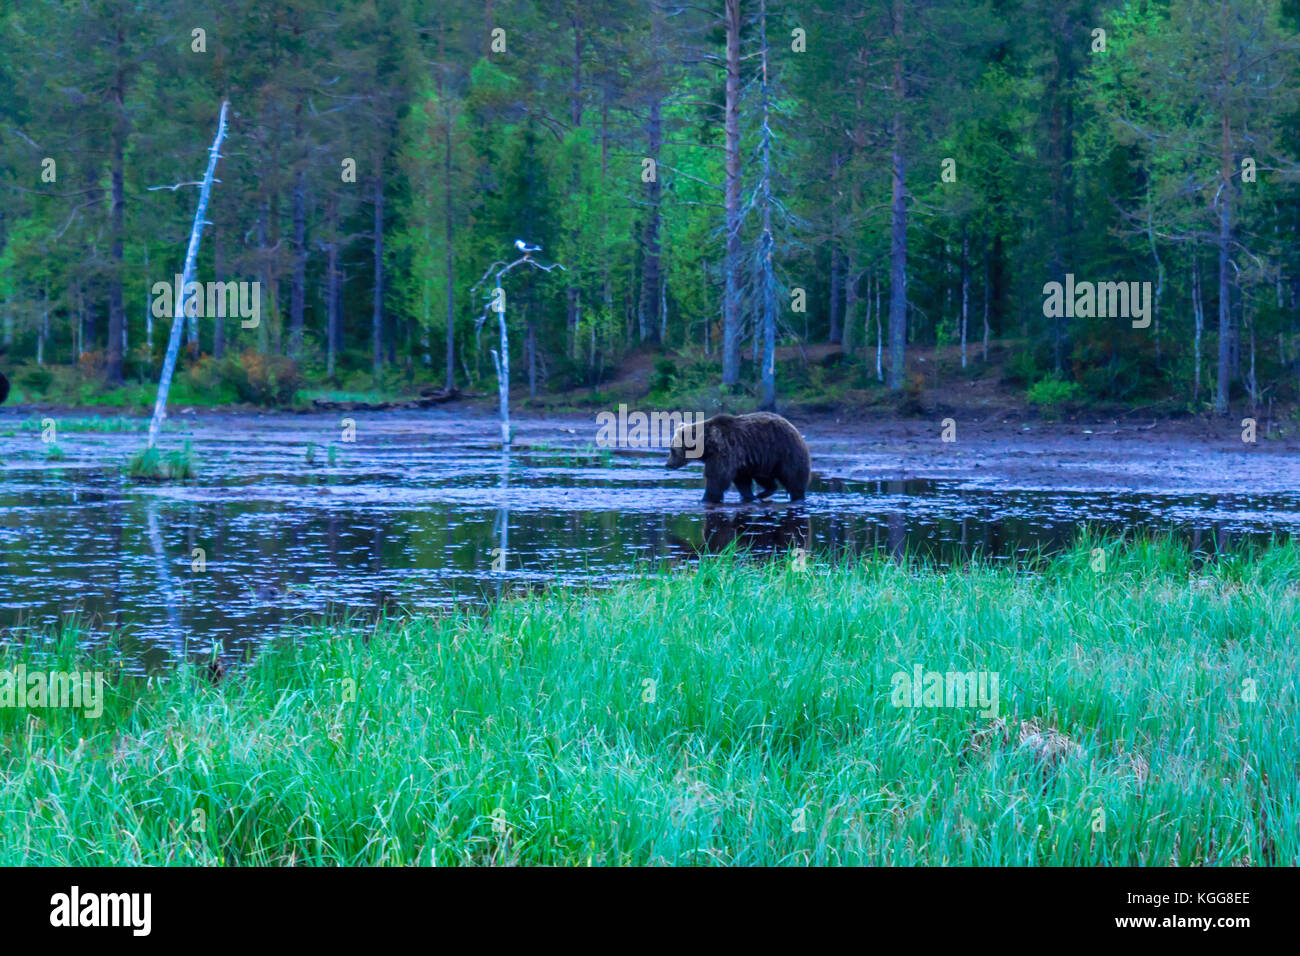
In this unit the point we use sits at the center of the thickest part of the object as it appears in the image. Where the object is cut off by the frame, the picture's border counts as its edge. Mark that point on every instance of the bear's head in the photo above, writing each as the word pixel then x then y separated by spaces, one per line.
pixel 687 446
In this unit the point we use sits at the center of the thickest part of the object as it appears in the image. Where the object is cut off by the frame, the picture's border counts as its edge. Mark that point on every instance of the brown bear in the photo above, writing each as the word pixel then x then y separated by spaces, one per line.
pixel 742 449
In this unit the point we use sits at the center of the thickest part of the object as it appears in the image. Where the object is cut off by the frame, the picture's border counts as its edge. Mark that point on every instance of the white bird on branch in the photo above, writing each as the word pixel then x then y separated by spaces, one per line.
pixel 525 248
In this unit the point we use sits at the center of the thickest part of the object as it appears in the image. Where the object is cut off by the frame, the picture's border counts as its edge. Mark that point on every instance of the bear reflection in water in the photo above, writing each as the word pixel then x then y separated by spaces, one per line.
pixel 762 531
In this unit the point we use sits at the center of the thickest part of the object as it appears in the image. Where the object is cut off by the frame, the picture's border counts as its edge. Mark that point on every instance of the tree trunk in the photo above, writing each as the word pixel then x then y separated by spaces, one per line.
pixel 191 255
pixel 377 313
pixel 502 362
pixel 148 310
pixel 298 295
pixel 880 337
pixel 897 268
pixel 648 308
pixel 848 330
pixel 7 322
pixel 532 358
pixel 837 290
pixel 837 253
pixel 334 324
pixel 45 326
pixel 86 323
pixel 987 296
pixel 867 317
pixel 1198 316
pixel 769 275
pixel 575 117
pixel 731 294
pixel 965 291
pixel 218 322
pixel 116 308
pixel 1249 319
pixel 1225 266
pixel 451 263
pixel 1160 283
pixel 273 282
pixel 1059 97
pixel 263 326
pixel 898 223
pixel 663 308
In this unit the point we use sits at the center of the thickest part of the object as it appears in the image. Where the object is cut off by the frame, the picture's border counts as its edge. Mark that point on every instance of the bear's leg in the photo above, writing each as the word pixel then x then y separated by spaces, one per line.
pixel 745 485
pixel 795 487
pixel 769 488
pixel 714 486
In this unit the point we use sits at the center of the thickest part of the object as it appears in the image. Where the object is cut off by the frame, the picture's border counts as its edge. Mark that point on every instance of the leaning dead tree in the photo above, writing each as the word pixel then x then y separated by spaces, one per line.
pixel 187 275
pixel 497 303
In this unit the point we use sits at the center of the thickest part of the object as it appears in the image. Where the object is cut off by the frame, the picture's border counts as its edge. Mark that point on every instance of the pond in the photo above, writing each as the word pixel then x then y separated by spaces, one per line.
pixel 289 522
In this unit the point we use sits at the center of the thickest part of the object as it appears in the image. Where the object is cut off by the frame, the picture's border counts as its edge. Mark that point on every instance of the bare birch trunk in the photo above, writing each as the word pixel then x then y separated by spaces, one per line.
pixel 178 313
pixel 502 363
pixel 1198 313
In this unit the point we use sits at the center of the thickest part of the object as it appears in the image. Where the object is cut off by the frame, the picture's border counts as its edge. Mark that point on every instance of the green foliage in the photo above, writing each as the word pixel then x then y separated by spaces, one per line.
pixel 38 379
pixel 93 423
pixel 946 333
pixel 665 373
pixel 1022 368
pixel 212 377
pixel 1104 165
pixel 270 380
pixel 1051 393
pixel 689 382
pixel 153 464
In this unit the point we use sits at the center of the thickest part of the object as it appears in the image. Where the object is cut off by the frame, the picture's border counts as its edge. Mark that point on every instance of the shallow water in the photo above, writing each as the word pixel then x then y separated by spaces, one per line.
pixel 423 511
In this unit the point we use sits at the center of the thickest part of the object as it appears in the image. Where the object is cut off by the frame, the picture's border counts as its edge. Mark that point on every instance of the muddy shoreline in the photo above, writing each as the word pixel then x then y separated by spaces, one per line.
pixel 1170 455
pixel 1174 455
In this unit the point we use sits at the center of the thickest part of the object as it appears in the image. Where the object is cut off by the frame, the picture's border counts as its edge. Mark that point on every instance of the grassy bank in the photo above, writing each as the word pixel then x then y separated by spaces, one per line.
pixel 245 380
pixel 739 714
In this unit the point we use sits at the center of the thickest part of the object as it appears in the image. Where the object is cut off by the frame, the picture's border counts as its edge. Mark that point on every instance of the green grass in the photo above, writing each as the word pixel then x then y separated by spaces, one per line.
pixel 67 387
pixel 93 423
pixel 155 464
pixel 566 456
pixel 527 734
pixel 306 396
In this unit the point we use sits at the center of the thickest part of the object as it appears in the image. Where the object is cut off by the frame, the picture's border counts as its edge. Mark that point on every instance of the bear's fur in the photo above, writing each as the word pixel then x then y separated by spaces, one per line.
pixel 742 449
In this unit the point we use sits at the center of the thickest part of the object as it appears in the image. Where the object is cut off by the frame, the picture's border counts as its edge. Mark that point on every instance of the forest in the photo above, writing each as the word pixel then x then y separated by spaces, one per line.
pixel 766 201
